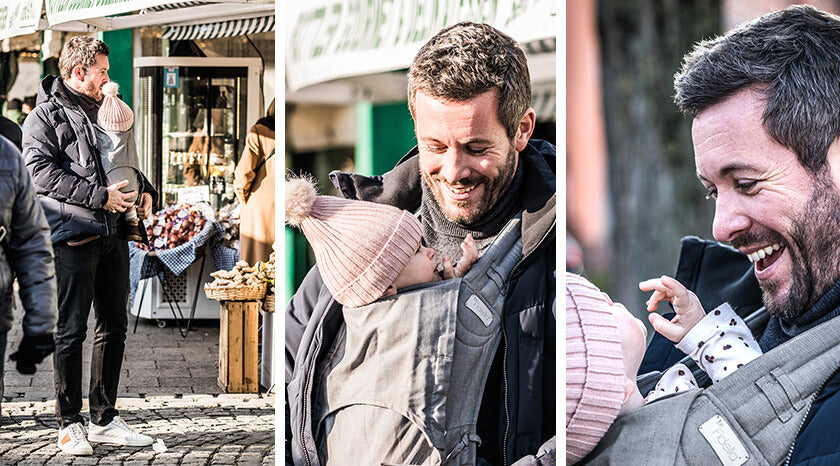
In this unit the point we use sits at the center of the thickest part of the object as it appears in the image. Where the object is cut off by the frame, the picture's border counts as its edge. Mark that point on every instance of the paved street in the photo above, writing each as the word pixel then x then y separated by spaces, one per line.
pixel 168 390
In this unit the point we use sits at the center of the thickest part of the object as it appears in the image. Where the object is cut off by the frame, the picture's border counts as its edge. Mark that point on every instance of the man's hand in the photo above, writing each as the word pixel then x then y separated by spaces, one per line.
pixel 33 349
pixel 144 209
pixel 117 199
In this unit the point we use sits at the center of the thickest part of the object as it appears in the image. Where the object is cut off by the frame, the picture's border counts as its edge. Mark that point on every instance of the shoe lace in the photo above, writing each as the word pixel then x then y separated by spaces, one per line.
pixel 76 432
pixel 118 422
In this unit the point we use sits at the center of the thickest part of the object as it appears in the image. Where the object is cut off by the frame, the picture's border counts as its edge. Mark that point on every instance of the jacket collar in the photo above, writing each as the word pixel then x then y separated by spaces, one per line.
pixel 401 187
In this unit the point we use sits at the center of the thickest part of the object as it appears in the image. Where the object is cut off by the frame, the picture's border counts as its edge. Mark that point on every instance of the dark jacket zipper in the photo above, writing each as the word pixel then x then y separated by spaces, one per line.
pixel 808 412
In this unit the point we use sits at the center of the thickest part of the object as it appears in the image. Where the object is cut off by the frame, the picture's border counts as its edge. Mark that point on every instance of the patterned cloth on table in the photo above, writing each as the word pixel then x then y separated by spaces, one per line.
pixel 179 258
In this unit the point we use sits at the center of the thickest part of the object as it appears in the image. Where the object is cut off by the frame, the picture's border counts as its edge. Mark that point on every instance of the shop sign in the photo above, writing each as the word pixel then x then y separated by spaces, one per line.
pixel 18 17
pixel 329 39
pixel 62 11
pixel 170 77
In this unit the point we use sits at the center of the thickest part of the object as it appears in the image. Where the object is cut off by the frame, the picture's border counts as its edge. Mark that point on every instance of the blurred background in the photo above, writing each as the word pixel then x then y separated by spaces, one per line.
pixel 631 189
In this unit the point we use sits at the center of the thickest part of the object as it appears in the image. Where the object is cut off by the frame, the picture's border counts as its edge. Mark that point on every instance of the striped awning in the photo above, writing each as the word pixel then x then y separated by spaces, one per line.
pixel 237 27
pixel 544 103
pixel 548 45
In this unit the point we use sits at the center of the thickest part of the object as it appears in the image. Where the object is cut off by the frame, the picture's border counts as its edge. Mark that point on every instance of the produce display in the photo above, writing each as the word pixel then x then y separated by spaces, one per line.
pixel 229 221
pixel 241 275
pixel 173 226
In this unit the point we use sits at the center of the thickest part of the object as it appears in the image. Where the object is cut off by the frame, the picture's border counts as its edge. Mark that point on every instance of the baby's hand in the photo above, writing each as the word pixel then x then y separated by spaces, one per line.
pixel 470 254
pixel 686 304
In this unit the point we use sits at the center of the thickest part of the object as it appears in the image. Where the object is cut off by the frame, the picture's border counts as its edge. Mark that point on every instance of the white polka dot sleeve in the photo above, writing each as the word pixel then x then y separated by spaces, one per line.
pixel 720 343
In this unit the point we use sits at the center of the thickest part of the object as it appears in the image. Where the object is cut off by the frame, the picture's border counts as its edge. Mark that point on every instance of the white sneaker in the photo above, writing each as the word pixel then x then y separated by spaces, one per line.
pixel 117 432
pixel 72 440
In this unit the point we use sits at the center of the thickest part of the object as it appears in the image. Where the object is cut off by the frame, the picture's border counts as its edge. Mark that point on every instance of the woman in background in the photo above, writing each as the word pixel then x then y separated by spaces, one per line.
pixel 254 185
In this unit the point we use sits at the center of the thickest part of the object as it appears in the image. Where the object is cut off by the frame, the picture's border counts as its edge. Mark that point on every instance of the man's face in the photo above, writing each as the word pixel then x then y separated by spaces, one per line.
pixel 466 158
pixel 421 268
pixel 90 82
pixel 768 205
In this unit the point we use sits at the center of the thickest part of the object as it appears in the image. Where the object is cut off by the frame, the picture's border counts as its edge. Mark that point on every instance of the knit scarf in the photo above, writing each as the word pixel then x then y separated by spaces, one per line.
pixel 445 236
pixel 781 330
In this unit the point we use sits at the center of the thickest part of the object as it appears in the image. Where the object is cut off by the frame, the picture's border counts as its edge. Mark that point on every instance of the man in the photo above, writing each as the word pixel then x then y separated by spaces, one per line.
pixel 473 170
pixel 26 254
pixel 91 254
pixel 766 108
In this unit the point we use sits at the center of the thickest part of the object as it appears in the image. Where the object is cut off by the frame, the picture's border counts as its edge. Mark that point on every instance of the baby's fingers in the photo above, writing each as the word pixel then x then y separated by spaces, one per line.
pixel 448 270
pixel 665 327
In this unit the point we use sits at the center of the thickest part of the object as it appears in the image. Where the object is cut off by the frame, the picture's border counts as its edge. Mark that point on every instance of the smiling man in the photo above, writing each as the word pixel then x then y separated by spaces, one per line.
pixel 91 252
pixel 473 170
pixel 766 106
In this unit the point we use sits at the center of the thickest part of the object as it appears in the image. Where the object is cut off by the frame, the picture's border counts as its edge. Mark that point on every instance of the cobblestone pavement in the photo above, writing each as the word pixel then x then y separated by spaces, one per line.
pixel 167 390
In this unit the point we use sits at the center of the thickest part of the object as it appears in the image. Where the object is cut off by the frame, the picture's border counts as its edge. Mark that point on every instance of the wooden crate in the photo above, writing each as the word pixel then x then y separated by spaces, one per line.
pixel 238 337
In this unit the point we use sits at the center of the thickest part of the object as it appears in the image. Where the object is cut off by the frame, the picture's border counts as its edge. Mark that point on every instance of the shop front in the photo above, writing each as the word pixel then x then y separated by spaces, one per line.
pixel 198 75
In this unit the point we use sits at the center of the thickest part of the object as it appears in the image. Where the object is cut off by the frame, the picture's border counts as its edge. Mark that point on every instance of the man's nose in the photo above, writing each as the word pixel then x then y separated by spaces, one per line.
pixel 730 219
pixel 453 166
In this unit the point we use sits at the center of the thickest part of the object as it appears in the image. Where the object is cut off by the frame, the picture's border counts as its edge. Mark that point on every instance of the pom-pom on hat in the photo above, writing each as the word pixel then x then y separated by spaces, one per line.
pixel 360 246
pixel 595 377
pixel 114 114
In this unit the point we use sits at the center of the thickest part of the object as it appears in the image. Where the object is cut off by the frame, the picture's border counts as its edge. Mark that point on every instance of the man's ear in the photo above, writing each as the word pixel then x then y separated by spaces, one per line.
pixel 78 72
pixel 525 129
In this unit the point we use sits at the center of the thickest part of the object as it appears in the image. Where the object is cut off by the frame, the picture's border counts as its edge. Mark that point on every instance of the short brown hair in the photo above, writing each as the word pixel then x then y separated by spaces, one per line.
pixel 467 59
pixel 81 51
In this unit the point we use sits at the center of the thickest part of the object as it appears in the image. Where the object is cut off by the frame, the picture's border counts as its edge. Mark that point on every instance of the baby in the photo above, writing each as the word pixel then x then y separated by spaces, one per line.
pixel 366 251
pixel 392 354
pixel 605 345
pixel 115 140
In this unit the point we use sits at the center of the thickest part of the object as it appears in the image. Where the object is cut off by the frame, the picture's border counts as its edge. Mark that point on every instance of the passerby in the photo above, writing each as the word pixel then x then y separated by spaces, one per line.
pixel 26 255
pixel 254 185
pixel 91 254
pixel 11 131
pixel 14 111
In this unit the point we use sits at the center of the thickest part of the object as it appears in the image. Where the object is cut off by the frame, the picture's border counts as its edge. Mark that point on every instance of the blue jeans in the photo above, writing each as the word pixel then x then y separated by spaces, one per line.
pixel 95 274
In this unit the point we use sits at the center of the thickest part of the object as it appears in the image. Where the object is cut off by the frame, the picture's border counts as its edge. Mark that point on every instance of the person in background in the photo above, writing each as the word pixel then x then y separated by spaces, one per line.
pixel 13 111
pixel 26 255
pixel 11 131
pixel 60 150
pixel 28 105
pixel 254 186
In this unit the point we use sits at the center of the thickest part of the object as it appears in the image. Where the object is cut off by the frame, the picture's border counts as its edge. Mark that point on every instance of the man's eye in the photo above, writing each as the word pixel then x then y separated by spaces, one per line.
pixel 436 149
pixel 476 150
pixel 745 186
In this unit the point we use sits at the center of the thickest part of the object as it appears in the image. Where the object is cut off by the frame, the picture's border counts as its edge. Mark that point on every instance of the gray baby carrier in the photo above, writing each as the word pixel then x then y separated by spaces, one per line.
pixel 407 384
pixel 751 417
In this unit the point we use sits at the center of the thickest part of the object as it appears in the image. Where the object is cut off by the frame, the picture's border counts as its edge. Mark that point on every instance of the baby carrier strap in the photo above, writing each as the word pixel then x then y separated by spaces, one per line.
pixel 750 417
pixel 477 335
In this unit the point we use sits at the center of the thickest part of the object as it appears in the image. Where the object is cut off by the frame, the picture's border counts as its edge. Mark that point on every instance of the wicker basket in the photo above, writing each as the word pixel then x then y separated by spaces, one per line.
pixel 237 293
pixel 268 304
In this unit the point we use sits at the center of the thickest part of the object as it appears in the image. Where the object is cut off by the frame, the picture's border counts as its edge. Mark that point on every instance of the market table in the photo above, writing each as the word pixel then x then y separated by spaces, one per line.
pixel 156 263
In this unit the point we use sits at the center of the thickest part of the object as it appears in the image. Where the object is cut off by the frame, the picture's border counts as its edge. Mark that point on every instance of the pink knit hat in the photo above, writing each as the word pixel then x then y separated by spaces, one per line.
pixel 594 367
pixel 360 246
pixel 114 114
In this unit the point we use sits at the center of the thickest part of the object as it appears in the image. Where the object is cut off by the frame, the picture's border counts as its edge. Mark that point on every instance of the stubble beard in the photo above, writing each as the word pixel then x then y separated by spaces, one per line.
pixel 814 254
pixel 493 190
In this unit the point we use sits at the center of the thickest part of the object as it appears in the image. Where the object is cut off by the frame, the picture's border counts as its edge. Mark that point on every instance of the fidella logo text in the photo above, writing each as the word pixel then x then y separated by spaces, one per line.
pixel 724 442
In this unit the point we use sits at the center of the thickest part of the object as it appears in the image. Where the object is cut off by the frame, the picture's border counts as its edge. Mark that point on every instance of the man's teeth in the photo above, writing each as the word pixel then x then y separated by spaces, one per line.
pixel 460 190
pixel 762 253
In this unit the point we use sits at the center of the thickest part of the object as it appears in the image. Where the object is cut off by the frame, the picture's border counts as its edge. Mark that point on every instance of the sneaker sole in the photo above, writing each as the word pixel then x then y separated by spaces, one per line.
pixel 119 441
pixel 77 453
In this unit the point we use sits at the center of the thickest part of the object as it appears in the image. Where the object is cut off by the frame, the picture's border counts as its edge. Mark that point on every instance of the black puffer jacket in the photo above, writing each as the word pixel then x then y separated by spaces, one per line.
pixel 59 146
pixel 26 251
pixel 517 415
